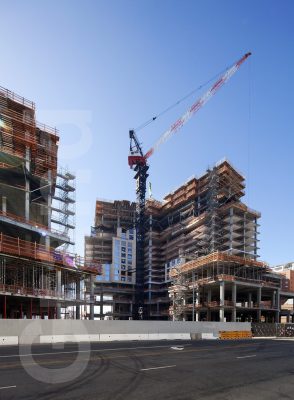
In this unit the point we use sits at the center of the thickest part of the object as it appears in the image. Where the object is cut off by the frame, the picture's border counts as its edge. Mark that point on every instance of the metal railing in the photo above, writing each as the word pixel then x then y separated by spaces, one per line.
pixel 17 98
pixel 34 224
pixel 32 250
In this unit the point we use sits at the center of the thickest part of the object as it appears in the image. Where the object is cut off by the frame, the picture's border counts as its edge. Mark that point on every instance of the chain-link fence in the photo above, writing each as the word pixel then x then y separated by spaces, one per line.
pixel 275 330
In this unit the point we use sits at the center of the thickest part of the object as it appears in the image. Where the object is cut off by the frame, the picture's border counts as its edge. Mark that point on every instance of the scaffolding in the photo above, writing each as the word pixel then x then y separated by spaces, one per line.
pixel 63 206
pixel 210 289
pixel 202 216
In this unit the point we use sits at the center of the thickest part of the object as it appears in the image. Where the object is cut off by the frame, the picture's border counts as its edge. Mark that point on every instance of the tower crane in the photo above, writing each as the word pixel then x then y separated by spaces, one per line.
pixel 138 161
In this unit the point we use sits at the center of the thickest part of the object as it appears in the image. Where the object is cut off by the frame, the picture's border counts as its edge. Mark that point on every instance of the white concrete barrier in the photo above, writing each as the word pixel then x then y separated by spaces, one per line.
pixel 209 336
pixel 169 336
pixel 8 340
pixel 69 338
pixel 104 337
pixel 60 331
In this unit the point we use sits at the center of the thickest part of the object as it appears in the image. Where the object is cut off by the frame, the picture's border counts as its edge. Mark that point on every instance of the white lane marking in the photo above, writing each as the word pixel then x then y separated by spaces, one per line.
pixel 7 387
pixel 254 355
pixel 166 366
pixel 86 351
pixel 177 348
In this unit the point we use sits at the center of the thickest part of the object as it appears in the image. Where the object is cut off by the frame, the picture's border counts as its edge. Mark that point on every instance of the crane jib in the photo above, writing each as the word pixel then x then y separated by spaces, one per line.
pixel 197 105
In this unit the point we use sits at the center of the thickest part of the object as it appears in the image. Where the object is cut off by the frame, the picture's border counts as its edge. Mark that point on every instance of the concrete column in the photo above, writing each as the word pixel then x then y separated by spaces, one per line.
pixel 47 242
pixel 222 301
pixel 184 313
pixel 59 294
pixel 258 304
pixel 234 293
pixel 4 204
pixel 222 315
pixel 78 297
pixel 258 297
pixel 249 299
pixel 208 301
pixel 131 308
pixel 195 299
pixel 101 305
pixel 27 186
pixel 234 300
pixel 92 297
pixel 231 229
pixel 222 293
pixel 274 294
pixel 209 295
pixel 277 314
pixel 234 314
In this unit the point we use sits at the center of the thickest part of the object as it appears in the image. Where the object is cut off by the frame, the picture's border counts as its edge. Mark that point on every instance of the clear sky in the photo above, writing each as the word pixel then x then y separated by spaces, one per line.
pixel 98 68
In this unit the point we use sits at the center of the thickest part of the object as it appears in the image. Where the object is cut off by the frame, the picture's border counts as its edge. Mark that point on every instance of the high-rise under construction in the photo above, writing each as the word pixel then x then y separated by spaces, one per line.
pixel 39 277
pixel 203 218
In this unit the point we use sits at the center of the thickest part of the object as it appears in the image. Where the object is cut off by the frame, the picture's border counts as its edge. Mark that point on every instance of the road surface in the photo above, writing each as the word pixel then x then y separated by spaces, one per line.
pixel 174 370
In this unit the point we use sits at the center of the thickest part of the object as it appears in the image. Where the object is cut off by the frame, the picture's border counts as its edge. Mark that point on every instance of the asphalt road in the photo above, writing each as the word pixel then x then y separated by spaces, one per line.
pixel 249 369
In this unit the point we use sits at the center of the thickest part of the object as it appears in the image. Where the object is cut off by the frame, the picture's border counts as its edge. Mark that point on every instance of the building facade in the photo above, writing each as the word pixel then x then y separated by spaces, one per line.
pixel 202 216
pixel 287 289
pixel 201 258
pixel 224 280
pixel 113 241
pixel 39 278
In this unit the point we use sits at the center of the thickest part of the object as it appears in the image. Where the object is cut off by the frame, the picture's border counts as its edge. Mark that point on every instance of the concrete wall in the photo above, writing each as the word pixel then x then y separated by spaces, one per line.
pixel 53 331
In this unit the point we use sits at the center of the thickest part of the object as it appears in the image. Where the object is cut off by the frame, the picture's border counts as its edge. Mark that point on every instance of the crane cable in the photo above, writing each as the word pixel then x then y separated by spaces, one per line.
pixel 149 121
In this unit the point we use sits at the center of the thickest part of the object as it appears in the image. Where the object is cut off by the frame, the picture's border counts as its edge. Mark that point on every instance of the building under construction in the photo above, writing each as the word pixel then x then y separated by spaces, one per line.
pixel 201 253
pixel 39 278
pixel 219 277
pixel 201 219
pixel 113 242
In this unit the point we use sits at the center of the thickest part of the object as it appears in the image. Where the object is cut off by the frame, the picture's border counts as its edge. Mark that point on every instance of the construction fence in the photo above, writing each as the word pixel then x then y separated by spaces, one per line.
pixel 274 330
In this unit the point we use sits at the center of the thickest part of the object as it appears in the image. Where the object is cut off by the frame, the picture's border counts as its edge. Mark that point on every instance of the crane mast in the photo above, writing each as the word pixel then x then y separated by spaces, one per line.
pixel 138 162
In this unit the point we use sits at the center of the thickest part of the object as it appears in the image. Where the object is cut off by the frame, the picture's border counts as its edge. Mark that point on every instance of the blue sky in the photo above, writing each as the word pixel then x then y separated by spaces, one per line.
pixel 98 68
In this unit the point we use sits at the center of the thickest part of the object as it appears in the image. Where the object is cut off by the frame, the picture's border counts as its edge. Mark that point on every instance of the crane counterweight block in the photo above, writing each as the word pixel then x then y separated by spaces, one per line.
pixel 134 160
